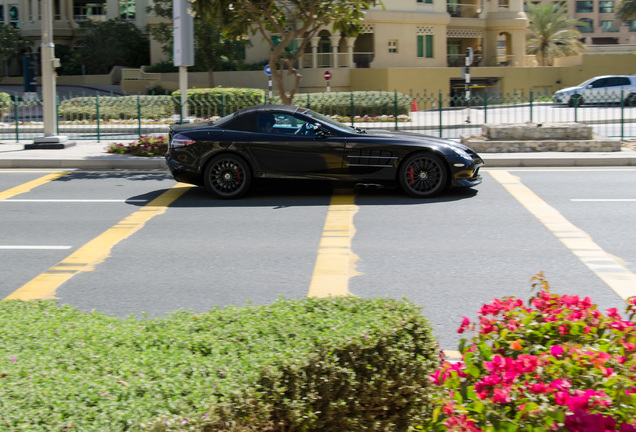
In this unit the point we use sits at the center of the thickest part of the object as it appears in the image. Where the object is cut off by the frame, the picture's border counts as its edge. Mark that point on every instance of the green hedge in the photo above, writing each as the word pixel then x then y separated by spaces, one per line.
pixel 117 107
pixel 328 365
pixel 371 103
pixel 5 104
pixel 210 102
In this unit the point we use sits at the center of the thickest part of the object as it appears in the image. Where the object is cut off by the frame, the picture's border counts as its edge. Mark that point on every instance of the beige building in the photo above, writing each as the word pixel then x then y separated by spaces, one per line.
pixel 422 33
pixel 599 25
pixel 409 46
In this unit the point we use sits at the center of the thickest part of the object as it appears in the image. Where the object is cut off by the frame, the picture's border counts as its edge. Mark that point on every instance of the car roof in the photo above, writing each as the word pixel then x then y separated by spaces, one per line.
pixel 269 108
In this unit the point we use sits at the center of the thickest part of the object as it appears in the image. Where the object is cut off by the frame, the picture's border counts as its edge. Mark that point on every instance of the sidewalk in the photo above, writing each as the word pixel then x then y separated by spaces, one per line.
pixel 92 155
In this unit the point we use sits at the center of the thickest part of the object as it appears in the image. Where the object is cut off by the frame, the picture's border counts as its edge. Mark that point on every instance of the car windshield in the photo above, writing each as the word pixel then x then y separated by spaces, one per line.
pixel 222 120
pixel 331 122
pixel 586 83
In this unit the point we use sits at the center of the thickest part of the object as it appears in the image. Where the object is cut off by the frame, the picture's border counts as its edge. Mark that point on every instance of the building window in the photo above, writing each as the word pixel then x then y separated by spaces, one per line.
pixel 606 7
pixel 425 46
pixel 608 26
pixel 632 26
pixel 584 6
pixel 393 46
pixel 587 25
pixel 289 49
pixel 424 1
pixel 127 10
pixel 13 16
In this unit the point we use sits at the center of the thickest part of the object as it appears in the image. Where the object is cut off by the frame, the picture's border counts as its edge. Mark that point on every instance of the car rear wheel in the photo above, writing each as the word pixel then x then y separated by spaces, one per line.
pixel 630 100
pixel 228 176
pixel 576 100
pixel 423 175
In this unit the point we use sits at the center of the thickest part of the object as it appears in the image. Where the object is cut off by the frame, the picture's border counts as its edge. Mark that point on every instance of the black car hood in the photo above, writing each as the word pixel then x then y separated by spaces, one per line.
pixel 418 139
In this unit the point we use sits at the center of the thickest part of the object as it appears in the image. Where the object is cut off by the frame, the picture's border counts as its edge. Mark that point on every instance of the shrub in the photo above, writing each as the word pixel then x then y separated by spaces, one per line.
pixel 116 107
pixel 334 364
pixel 148 146
pixel 555 364
pixel 210 102
pixel 5 104
pixel 364 103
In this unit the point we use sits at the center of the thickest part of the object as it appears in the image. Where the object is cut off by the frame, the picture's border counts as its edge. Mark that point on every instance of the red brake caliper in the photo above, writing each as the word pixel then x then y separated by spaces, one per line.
pixel 411 176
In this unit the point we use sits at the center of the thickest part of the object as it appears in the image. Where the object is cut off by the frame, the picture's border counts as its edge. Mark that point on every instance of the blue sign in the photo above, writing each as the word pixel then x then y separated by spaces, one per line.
pixel 268 70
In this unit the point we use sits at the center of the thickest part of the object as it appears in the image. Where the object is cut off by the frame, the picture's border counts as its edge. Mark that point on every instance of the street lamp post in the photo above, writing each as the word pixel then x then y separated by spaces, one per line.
pixel 49 63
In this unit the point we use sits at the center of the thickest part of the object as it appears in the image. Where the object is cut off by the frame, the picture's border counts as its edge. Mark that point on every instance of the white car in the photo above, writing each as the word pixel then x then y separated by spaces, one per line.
pixel 601 89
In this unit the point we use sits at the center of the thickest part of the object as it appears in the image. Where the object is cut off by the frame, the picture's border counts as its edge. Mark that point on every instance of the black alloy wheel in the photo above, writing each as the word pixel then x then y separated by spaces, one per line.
pixel 423 175
pixel 630 100
pixel 228 176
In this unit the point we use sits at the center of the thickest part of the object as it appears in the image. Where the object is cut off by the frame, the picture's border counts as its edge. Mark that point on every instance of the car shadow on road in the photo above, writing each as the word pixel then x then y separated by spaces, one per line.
pixel 303 195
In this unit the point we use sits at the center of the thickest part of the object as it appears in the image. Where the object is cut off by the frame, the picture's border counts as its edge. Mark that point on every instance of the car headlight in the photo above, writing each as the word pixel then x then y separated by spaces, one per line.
pixel 462 153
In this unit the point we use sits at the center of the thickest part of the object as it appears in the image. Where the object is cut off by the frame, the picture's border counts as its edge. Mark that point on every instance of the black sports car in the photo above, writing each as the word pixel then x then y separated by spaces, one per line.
pixel 288 142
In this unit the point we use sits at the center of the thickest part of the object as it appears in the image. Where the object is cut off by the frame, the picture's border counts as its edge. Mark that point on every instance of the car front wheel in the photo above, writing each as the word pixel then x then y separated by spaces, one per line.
pixel 227 176
pixel 423 175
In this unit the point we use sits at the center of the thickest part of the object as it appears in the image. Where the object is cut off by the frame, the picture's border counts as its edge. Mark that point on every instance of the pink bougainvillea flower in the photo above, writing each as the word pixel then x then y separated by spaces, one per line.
pixel 501 395
pixel 613 313
pixel 577 403
pixel 461 423
pixel 539 388
pixel 464 326
pixel 556 351
pixel 560 384
pixel 581 421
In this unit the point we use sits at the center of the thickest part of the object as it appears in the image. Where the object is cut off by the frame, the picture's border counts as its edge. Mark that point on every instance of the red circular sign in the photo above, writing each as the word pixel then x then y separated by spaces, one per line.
pixel 327 75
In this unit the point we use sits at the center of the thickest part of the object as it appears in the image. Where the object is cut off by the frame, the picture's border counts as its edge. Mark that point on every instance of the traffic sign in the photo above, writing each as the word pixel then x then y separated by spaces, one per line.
pixel 268 70
pixel 327 75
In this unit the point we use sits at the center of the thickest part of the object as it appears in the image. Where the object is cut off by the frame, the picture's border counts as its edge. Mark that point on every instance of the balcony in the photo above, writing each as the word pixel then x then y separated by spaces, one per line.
pixel 457 10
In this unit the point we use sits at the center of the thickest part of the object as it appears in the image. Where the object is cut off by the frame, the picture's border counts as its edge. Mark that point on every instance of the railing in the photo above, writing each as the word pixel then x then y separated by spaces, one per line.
pixel 443 115
pixel 325 60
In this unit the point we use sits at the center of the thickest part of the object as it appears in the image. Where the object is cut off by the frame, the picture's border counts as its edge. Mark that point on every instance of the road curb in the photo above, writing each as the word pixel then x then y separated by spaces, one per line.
pixel 104 163
pixel 578 160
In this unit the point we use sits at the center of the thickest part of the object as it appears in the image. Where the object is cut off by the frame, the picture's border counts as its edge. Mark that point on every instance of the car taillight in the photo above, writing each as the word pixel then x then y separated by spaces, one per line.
pixel 181 141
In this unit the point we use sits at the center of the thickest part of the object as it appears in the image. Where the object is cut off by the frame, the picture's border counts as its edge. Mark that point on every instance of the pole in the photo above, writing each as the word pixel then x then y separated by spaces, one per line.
pixel 49 63
pixel 183 89
pixel 469 60
pixel 48 78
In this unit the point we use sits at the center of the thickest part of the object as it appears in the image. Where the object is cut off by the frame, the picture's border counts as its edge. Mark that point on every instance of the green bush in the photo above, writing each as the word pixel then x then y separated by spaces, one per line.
pixel 117 107
pixel 5 104
pixel 334 364
pixel 373 103
pixel 210 102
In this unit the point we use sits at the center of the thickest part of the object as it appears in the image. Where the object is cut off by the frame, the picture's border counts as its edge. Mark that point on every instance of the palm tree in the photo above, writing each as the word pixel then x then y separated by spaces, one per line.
pixel 625 10
pixel 552 33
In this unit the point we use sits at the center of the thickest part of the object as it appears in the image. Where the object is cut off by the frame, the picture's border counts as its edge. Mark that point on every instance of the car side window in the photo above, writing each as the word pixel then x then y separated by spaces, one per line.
pixel 600 83
pixel 619 81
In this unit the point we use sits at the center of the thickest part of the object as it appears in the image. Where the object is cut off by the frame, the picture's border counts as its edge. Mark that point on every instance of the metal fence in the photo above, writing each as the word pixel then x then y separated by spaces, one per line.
pixel 442 115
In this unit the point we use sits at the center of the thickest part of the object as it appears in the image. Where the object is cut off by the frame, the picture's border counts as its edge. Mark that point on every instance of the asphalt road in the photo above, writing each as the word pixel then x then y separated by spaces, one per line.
pixel 97 240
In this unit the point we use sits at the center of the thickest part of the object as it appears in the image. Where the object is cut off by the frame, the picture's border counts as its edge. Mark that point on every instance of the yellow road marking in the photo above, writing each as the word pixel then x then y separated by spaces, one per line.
pixel 96 250
pixel 26 187
pixel 608 268
pixel 336 262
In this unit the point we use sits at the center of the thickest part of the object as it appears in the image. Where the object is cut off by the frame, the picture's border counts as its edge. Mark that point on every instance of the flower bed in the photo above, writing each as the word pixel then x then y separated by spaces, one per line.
pixel 148 146
pixel 555 364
